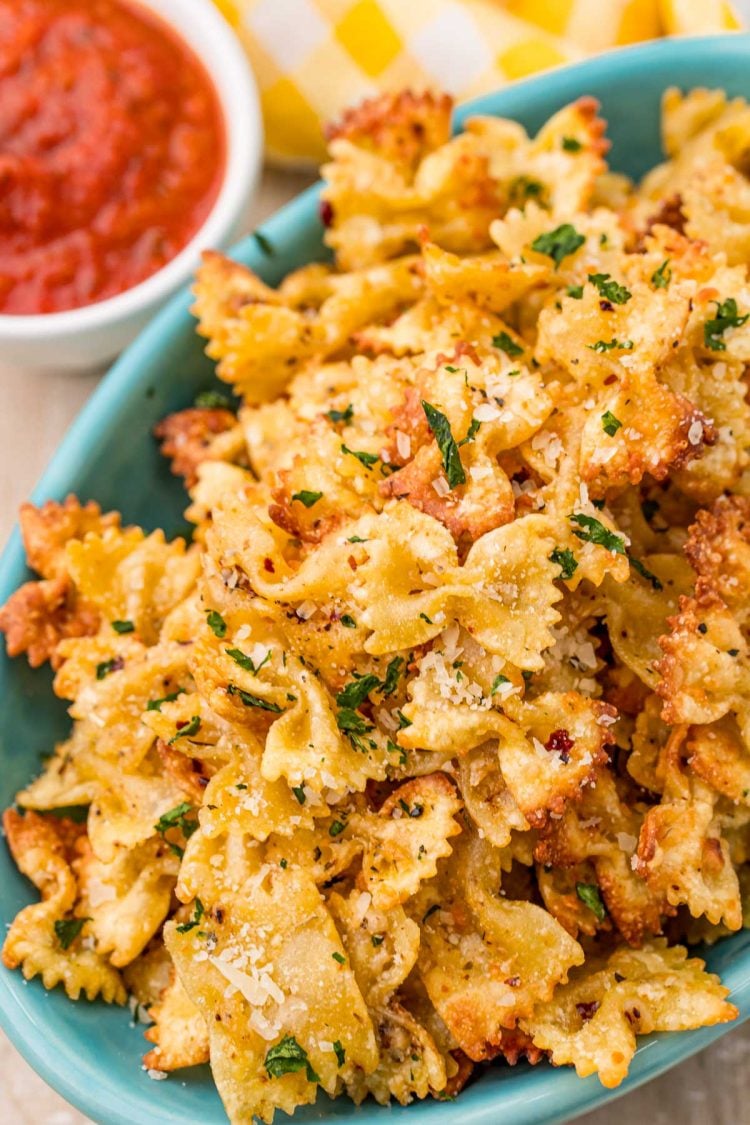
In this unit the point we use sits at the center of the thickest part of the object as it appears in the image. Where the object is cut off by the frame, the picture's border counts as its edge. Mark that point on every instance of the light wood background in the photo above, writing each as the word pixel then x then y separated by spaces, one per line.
pixel 711 1089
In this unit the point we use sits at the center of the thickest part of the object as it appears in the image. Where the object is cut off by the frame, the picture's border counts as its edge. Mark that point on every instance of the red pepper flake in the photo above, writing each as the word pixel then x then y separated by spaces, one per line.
pixel 268 565
pixel 326 213
pixel 588 1009
pixel 513 982
pixel 610 380
pixel 560 742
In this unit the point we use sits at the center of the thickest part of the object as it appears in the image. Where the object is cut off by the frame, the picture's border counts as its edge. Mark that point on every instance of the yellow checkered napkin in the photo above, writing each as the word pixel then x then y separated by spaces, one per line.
pixel 314 57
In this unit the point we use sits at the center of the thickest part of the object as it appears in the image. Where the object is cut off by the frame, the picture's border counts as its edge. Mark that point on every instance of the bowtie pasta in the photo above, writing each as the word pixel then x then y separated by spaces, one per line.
pixel 433 746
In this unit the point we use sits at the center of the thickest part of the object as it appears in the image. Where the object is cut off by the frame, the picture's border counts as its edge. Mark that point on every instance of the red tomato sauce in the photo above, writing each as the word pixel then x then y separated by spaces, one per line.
pixel 112 150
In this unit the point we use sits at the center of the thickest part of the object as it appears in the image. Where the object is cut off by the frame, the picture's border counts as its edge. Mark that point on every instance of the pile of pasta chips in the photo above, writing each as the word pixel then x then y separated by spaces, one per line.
pixel 433 746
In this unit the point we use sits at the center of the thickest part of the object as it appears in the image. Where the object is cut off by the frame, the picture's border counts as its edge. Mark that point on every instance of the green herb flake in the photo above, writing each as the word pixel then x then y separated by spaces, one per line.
pixel 446 443
pixel 366 459
pixel 589 895
pixel 339 957
pixel 348 621
pixel 336 828
pixel 726 317
pixel 344 416
pixel 610 424
pixel 609 289
pixel 661 278
pixel 610 345
pixel 393 671
pixel 264 243
pixel 178 817
pixel 68 929
pixel 591 530
pixel 198 912
pixel 250 700
pixel 498 682
pixel 377 939
pixel 559 243
pixel 645 573
pixel 426 618
pixel 213 400
pixel 307 498
pixel 123 627
pixel 430 911
pixel 575 291
pixel 507 344
pixel 187 730
pixel 570 144
pixel 472 432
pixel 287 1057
pixel 299 793
pixel 246 661
pixel 357 539
pixel 356 692
pixel 155 704
pixel 566 560
pixel 339 1052
pixel 106 667
pixel 403 722
pixel 216 623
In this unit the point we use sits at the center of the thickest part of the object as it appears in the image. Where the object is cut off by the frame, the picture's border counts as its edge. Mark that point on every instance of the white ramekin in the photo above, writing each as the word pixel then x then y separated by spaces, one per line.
pixel 85 339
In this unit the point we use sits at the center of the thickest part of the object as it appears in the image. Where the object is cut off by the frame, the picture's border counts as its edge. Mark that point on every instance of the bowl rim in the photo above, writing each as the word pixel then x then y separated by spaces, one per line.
pixel 531 1096
pixel 201 27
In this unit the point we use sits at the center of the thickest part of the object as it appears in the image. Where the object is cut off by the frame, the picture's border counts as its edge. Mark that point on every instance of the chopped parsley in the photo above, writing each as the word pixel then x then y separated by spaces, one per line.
pixel 123 626
pixel 559 243
pixel 246 661
pixel 377 939
pixel 610 345
pixel 264 243
pixel 522 188
pixel 661 278
pixel 339 957
pixel 427 619
pixel 566 560
pixel 188 729
pixel 403 722
pixel 609 289
pixel 178 817
pixel 339 1052
pixel 589 895
pixel 726 317
pixel 570 144
pixel 216 623
pixel 287 1057
pixel 213 400
pixel 498 681
pixel 393 671
pixel 506 344
pixel 307 498
pixel 590 530
pixel 610 424
pixel 446 443
pixel 68 929
pixel 299 793
pixel 341 415
pixel 107 666
pixel 357 539
pixel 198 911
pixel 575 291
pixel 366 459
pixel 348 621
pixel 336 828
pixel 356 692
pixel 155 704
pixel 472 432
pixel 250 700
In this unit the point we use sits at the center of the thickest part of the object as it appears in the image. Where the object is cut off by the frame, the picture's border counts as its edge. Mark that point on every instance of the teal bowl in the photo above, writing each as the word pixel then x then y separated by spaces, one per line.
pixel 91 1053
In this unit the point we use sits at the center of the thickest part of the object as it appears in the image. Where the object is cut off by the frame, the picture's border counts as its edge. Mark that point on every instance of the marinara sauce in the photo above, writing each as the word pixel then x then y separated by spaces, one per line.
pixel 111 150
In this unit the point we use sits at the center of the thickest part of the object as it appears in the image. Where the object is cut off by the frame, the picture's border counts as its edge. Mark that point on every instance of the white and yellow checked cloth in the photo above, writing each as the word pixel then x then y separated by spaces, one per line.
pixel 314 57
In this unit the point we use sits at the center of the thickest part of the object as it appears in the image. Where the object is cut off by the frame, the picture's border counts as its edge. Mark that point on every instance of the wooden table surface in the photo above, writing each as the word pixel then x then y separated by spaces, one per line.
pixel 710 1089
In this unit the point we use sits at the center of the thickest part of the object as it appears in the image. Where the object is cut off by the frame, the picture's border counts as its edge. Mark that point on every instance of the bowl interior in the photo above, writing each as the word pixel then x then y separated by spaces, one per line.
pixel 91 1054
